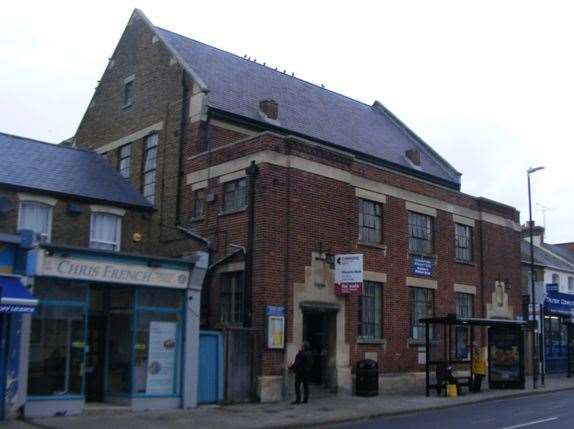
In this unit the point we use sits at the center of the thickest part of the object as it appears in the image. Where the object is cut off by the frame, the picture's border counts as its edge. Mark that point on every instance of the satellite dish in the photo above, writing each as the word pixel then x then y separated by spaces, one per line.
pixel 5 205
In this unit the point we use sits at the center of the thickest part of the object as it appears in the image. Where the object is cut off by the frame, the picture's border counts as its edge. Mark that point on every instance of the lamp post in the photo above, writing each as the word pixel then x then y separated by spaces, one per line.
pixel 532 278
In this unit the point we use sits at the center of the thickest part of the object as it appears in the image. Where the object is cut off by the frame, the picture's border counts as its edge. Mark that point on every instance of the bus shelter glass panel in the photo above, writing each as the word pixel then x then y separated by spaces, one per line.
pixel 57 340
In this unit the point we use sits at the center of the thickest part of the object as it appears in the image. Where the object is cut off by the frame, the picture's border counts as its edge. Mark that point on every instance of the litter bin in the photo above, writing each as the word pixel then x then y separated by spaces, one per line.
pixel 367 378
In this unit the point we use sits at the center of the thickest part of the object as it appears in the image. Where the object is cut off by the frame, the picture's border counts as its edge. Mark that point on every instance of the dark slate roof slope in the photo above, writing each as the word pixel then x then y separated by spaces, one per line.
pixel 237 85
pixel 35 166
pixel 544 257
pixel 561 251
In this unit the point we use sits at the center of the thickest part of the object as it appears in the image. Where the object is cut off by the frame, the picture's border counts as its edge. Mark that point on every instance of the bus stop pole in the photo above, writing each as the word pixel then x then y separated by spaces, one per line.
pixel 542 347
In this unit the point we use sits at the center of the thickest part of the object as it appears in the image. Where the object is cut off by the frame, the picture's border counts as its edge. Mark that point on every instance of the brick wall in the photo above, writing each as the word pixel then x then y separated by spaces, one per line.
pixel 74 229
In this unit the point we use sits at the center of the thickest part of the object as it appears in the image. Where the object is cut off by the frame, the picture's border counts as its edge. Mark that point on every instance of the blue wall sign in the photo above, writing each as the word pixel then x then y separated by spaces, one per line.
pixel 559 303
pixel 275 310
pixel 551 287
pixel 421 266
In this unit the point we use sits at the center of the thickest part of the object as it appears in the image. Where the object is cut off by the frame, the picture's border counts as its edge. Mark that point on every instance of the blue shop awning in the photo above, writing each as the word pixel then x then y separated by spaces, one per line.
pixel 15 297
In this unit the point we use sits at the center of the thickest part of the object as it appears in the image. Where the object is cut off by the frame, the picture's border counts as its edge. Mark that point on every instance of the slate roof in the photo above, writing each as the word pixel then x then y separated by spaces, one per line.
pixel 237 85
pixel 543 257
pixel 35 166
pixel 561 251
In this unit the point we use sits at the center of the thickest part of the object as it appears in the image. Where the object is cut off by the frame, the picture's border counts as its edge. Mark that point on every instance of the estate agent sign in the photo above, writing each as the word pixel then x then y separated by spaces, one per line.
pixel 349 274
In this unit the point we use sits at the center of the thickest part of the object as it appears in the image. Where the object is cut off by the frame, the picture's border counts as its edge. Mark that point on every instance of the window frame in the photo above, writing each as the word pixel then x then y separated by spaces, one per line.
pixel 459 239
pixel 117 245
pixel 196 193
pixel 376 216
pixel 237 279
pixel 150 170
pixel 128 92
pixel 376 301
pixel 429 228
pixel 412 311
pixel 49 205
pixel 570 283
pixel 122 157
pixel 237 205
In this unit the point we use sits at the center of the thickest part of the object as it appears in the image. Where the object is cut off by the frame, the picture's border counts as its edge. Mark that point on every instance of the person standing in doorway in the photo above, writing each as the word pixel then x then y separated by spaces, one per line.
pixel 302 368
pixel 478 369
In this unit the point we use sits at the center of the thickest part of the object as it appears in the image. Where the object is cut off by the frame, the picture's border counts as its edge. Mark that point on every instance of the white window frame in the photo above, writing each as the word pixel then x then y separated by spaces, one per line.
pixel 111 211
pixel 39 200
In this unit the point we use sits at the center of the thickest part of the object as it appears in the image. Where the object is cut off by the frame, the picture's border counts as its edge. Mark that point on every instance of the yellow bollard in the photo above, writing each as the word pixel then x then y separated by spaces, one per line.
pixel 451 390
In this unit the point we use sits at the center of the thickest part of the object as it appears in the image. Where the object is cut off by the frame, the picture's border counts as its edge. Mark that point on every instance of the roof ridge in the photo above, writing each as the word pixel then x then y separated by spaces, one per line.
pixel 55 145
pixel 267 67
pixel 555 255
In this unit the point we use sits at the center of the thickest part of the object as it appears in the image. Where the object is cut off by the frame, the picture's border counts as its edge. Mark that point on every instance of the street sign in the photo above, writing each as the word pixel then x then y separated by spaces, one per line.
pixel 349 274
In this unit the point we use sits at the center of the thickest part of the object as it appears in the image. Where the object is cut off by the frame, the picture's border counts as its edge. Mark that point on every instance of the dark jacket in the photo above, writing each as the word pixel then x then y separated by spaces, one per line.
pixel 303 363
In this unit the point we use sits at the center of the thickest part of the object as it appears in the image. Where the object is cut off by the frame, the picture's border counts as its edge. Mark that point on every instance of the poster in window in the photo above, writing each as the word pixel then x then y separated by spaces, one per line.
pixel 161 357
pixel 276 332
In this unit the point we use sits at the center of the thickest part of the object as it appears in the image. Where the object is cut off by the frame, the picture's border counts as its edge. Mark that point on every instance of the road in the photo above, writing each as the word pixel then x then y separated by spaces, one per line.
pixel 548 411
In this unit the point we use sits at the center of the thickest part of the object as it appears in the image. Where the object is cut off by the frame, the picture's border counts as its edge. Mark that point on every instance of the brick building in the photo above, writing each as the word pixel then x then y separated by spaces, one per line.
pixel 274 175
pixel 85 314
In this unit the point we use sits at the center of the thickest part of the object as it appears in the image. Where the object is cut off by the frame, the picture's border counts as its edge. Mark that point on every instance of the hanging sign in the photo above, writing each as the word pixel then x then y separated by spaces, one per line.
pixel 349 274
pixel 421 266
pixel 161 357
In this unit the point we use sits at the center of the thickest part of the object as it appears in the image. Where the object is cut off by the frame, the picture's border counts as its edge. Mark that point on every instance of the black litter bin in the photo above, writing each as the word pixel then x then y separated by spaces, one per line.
pixel 367 378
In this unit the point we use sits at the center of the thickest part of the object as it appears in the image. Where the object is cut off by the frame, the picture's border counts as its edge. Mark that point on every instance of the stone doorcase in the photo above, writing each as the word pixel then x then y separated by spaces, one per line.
pixel 317 293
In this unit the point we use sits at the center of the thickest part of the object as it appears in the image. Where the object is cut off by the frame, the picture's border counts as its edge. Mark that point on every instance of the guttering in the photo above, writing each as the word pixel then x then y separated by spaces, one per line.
pixel 195 236
pixel 252 123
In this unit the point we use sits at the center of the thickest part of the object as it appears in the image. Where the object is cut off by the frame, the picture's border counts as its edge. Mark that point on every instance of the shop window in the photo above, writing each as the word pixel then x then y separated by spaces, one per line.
pixel 235 195
pixel 150 167
pixel 420 233
pixel 463 243
pixel 124 160
pixel 555 336
pixel 105 231
pixel 232 298
pixel 154 297
pixel 56 356
pixel 370 311
pixel 157 353
pixel 422 305
pixel 464 309
pixel 198 204
pixel 370 221
pixel 36 217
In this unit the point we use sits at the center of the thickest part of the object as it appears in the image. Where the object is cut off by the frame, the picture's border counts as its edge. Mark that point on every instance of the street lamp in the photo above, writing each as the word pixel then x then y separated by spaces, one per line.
pixel 533 293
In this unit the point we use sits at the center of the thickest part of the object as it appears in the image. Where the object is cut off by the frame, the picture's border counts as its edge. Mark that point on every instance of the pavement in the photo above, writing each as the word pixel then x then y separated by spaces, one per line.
pixel 319 412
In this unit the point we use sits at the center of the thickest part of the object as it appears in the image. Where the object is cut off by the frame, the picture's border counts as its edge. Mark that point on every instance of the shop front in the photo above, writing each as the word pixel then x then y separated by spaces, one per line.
pixel 112 328
pixel 558 311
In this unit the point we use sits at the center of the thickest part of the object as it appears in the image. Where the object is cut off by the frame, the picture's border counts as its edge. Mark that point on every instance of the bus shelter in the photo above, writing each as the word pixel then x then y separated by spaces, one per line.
pixel 450 344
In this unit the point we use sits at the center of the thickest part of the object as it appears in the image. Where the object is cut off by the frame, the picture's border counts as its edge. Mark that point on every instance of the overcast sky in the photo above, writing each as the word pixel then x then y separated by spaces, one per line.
pixel 488 84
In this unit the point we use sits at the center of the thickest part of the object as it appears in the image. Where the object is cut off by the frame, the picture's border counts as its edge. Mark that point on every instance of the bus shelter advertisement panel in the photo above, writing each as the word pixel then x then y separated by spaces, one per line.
pixel 505 355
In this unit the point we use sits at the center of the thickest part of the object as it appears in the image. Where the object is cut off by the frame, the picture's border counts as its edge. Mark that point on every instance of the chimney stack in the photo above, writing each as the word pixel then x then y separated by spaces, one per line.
pixel 537 233
pixel 270 108
pixel 414 156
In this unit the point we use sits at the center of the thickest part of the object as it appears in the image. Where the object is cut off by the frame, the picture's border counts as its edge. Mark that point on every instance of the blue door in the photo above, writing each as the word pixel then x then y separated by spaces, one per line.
pixel 210 385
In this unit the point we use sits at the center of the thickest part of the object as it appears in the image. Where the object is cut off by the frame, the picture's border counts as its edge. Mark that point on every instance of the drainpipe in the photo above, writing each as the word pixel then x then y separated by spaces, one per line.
pixel 251 172
pixel 182 123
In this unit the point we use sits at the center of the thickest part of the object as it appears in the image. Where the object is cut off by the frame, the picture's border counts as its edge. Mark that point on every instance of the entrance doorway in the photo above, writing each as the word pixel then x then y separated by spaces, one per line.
pixel 95 358
pixel 319 330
